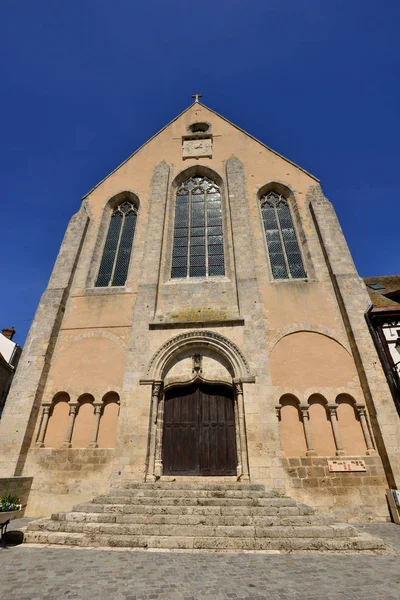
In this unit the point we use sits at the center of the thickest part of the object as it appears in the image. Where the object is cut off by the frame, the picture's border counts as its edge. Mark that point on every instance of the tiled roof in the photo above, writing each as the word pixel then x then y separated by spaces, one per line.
pixel 390 283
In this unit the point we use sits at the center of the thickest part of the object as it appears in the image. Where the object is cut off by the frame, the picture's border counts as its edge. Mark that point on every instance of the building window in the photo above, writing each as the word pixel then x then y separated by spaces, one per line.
pixel 198 249
pixel 375 286
pixel 117 250
pixel 283 247
pixel 199 127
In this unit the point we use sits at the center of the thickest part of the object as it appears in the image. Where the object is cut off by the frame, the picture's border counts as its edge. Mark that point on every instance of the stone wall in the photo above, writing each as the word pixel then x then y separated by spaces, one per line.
pixel 65 477
pixel 353 496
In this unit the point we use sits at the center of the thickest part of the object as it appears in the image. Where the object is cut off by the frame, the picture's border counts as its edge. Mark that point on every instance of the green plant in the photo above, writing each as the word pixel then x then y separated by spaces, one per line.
pixel 9 502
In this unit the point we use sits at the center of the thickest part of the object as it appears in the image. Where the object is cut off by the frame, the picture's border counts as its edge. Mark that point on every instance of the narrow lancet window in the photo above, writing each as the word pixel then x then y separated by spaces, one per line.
pixel 283 247
pixel 198 249
pixel 117 250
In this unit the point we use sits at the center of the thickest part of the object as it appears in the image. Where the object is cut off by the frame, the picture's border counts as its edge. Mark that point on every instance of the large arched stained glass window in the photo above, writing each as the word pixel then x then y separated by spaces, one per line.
pixel 117 250
pixel 198 249
pixel 283 247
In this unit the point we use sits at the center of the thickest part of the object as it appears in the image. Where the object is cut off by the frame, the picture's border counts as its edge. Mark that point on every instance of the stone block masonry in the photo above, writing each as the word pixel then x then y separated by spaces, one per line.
pixel 357 496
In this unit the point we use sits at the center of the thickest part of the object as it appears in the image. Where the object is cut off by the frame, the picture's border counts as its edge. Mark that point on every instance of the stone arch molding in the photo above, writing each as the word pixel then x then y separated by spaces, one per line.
pixel 308 327
pixel 196 340
pixel 91 334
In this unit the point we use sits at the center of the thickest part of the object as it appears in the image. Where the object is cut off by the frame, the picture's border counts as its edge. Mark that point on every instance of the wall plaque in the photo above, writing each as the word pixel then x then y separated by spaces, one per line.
pixel 346 465
pixel 197 148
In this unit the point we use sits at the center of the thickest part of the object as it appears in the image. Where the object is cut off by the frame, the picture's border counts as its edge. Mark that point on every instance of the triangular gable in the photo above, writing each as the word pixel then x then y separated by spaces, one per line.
pixel 218 115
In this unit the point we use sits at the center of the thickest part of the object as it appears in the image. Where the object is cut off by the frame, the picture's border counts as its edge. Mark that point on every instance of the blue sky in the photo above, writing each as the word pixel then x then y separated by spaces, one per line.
pixel 84 83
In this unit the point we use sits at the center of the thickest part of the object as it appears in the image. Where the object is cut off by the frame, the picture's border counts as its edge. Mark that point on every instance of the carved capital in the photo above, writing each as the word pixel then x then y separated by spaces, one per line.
pixel 157 385
pixel 361 409
pixel 238 388
pixel 304 410
pixel 332 408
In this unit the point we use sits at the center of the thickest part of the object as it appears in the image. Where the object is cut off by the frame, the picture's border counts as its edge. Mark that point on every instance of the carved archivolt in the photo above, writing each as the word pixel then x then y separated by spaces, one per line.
pixel 307 327
pixel 195 340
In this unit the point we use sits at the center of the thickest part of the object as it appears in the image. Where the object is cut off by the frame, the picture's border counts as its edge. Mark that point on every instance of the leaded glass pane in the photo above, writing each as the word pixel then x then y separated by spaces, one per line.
pixel 216 270
pixel 198 211
pixel 197 249
pixel 215 231
pixel 214 239
pixel 283 247
pixel 125 247
pixel 197 261
pixel 178 272
pixel 179 261
pixel 198 220
pixel 110 248
pixel 216 260
pixel 180 251
pixel 183 232
pixel 296 268
pixel 197 272
pixel 180 241
pixel 118 247
pixel 215 221
pixel 196 231
pixel 198 241
pixel 215 250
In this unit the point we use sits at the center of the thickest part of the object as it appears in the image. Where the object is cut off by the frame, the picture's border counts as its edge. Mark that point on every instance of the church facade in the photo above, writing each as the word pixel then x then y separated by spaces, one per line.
pixel 204 320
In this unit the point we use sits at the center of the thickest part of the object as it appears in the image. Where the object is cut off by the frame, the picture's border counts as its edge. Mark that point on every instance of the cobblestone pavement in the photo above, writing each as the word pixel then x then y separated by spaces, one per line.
pixel 48 573
pixel 44 573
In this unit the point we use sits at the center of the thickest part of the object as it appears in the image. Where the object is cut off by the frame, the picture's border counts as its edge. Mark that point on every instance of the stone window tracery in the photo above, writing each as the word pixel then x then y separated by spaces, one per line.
pixel 283 247
pixel 117 250
pixel 198 249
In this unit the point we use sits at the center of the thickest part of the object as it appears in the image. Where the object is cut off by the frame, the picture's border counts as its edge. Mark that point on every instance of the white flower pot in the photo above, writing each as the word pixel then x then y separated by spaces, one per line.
pixel 9 515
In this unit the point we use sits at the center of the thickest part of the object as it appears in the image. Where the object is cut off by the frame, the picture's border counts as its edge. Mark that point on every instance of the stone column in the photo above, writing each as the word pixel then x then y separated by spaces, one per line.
pixel 364 425
pixel 245 476
pixel 155 396
pixel 97 416
pixel 72 415
pixel 238 441
pixel 307 434
pixel 43 425
pixel 158 466
pixel 335 429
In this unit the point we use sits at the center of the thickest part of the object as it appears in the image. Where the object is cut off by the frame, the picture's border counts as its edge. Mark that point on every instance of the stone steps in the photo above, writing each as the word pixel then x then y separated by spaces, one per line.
pixel 193 516
pixel 190 493
pixel 179 519
pixel 190 485
pixel 181 485
pixel 274 531
pixel 194 501
pixel 299 510
pixel 361 543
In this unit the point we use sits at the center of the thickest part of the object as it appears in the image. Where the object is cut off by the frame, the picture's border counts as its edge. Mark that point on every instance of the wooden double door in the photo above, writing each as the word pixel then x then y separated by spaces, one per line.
pixel 199 431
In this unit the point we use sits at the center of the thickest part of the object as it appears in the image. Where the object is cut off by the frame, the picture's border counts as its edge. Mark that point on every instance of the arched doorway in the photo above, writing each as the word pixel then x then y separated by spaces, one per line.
pixel 199 431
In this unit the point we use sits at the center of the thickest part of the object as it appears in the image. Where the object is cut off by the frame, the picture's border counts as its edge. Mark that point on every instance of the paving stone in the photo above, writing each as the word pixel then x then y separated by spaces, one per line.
pixel 80 574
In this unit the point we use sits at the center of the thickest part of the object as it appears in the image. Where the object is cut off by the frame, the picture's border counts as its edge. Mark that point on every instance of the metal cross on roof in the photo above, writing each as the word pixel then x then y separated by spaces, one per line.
pixel 197 96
